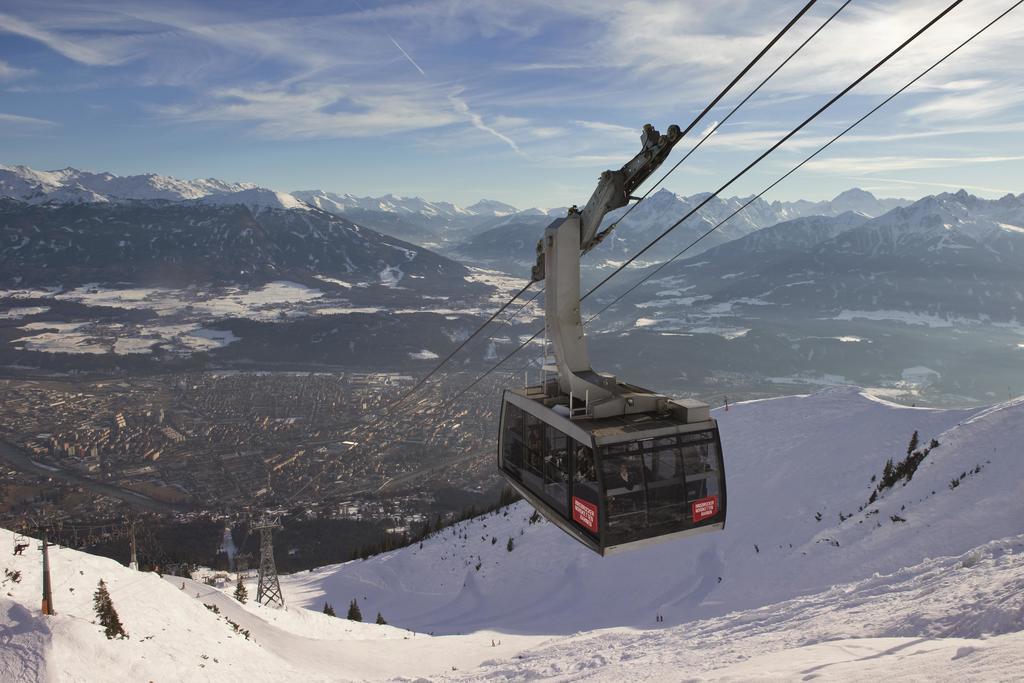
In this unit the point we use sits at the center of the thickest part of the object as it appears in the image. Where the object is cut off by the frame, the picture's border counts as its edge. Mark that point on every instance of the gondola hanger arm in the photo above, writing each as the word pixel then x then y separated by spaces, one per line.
pixel 615 190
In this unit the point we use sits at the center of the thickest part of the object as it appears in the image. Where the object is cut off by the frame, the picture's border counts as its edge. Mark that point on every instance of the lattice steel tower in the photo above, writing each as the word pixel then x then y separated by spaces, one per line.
pixel 268 590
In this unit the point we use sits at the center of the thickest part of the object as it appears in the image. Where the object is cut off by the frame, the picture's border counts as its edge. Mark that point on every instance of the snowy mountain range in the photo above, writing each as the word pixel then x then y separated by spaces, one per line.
pixel 808 578
pixel 861 288
pixel 950 256
pixel 70 185
pixel 409 206
pixel 472 231
pixel 510 244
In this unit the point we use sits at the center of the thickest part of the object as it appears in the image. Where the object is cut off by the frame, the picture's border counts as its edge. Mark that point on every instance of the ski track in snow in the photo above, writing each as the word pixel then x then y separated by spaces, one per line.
pixel 972 597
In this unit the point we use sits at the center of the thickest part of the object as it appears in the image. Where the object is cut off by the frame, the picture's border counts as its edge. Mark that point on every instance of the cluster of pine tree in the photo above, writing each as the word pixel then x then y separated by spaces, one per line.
pixel 354 613
pixel 106 613
pixel 390 542
pixel 893 473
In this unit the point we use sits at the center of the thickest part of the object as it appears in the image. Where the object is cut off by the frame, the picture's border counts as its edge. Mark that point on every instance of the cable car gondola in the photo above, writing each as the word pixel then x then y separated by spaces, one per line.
pixel 613 465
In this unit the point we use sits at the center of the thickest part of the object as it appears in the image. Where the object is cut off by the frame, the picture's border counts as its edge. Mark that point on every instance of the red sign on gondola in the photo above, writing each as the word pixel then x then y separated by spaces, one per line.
pixel 585 514
pixel 704 508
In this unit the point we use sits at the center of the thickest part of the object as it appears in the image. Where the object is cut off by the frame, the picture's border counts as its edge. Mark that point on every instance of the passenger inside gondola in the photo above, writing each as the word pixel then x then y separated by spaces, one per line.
pixel 624 489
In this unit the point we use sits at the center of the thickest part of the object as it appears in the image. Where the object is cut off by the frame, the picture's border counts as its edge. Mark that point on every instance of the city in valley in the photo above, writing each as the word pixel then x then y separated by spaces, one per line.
pixel 214 450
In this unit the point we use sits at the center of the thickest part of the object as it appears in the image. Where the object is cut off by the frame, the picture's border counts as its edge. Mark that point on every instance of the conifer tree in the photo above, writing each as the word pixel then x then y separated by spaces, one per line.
pixel 240 593
pixel 913 443
pixel 888 477
pixel 353 611
pixel 380 619
pixel 329 610
pixel 510 545
pixel 106 613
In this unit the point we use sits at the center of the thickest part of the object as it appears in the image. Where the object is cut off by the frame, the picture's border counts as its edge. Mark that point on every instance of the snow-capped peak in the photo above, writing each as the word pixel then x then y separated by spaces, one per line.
pixel 71 185
pixel 491 207
pixel 256 198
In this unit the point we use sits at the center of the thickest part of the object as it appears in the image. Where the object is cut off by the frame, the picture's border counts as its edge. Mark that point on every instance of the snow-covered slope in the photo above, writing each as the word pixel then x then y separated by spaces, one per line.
pixel 940 594
pixel 787 460
pixel 943 618
pixel 174 636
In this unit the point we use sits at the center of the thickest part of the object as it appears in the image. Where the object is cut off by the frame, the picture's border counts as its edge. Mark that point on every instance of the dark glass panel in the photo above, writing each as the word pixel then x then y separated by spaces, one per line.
pixel 663 472
pixel 512 441
pixel 556 469
pixel 624 492
pixel 533 460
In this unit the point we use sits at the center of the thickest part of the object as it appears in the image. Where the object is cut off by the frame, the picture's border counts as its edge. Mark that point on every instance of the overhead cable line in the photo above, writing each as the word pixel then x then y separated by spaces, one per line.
pixel 774 147
pixel 690 127
pixel 748 67
pixel 805 161
pixel 716 126
pixel 749 166
pixel 536 294
pixel 604 233
pixel 458 348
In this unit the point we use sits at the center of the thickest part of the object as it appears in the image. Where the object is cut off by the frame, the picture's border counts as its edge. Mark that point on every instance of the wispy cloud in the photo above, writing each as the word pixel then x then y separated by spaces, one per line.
pixel 623 132
pixel 890 183
pixel 85 52
pixel 318 110
pixel 507 70
pixel 878 164
pixel 10 73
pixel 544 66
pixel 969 104
pixel 26 123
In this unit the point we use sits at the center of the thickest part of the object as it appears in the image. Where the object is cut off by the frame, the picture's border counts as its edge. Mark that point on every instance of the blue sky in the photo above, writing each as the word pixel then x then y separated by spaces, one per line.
pixel 524 101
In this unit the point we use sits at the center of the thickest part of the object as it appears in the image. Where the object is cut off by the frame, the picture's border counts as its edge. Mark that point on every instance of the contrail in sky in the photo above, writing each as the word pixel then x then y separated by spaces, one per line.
pixel 395 42
pixel 458 103
pixel 478 123
pixel 411 60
